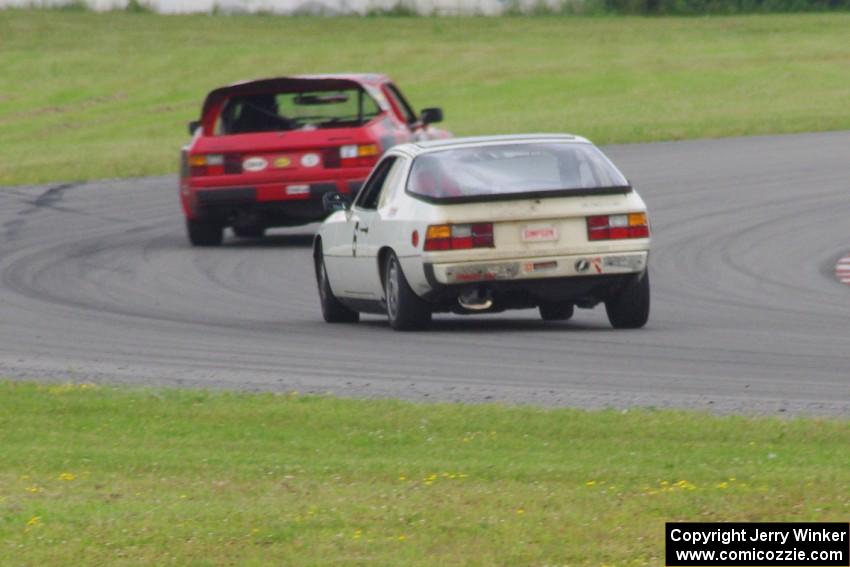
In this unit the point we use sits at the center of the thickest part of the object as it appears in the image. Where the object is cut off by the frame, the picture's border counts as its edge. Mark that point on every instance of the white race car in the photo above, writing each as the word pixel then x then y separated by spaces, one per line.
pixel 478 225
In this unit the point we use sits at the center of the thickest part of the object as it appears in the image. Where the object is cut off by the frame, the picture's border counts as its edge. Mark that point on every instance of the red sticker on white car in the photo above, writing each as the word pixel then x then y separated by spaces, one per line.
pixel 539 233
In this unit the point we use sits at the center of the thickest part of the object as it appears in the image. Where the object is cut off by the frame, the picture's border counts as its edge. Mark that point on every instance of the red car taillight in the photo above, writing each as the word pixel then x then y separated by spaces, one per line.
pixel 459 236
pixel 354 155
pixel 214 164
pixel 615 227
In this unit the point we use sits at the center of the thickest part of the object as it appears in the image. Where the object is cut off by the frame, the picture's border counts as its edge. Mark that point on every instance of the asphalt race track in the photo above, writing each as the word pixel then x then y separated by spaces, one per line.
pixel 99 284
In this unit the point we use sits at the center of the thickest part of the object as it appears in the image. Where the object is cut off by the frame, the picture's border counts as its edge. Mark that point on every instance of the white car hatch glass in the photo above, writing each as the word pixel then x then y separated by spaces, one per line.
pixel 514 170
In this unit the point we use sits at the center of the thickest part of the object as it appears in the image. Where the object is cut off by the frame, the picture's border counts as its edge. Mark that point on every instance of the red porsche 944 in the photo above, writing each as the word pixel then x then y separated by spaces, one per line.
pixel 265 152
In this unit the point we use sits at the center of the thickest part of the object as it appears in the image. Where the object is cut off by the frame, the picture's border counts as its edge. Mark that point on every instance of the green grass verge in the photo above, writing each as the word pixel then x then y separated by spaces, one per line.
pixel 123 477
pixel 87 95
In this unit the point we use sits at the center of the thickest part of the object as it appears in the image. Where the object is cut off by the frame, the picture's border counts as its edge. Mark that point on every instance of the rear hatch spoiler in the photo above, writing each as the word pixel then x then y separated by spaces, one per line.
pixel 279 84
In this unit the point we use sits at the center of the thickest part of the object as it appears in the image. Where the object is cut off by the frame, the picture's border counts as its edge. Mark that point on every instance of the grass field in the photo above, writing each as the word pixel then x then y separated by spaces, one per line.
pixel 86 95
pixel 121 477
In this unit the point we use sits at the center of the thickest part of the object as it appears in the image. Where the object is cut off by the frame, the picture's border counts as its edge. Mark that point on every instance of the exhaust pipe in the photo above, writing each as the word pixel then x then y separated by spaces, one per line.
pixel 475 300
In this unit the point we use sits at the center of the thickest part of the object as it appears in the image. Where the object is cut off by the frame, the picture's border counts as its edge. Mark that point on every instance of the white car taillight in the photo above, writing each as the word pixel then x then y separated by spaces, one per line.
pixel 615 227
pixel 459 236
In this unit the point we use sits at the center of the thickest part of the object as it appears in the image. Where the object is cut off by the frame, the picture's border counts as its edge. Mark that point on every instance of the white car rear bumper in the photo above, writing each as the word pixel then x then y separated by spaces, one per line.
pixel 540 267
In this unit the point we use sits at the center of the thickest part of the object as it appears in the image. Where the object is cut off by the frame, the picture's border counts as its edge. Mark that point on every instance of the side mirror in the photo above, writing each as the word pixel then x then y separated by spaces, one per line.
pixel 334 201
pixel 431 116
pixel 194 125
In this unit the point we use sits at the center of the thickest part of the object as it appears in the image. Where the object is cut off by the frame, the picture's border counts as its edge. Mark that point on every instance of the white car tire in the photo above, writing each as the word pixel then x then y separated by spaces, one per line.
pixel 629 309
pixel 406 311
pixel 556 311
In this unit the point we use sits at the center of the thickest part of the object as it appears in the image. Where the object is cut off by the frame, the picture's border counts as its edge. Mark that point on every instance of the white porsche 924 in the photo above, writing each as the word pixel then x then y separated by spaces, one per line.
pixel 480 225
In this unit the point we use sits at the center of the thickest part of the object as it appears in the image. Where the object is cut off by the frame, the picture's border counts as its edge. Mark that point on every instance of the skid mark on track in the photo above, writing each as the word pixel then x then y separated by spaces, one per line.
pixel 52 195
pixel 49 198
pixel 842 270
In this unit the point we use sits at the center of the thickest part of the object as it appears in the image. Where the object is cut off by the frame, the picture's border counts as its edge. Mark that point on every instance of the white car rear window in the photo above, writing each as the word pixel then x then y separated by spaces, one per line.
pixel 512 169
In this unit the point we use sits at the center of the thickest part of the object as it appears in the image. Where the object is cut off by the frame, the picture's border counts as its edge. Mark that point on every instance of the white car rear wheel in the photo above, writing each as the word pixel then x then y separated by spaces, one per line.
pixel 629 309
pixel 406 311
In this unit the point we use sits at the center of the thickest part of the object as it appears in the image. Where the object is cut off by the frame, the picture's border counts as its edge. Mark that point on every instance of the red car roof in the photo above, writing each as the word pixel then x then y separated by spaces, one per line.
pixel 296 82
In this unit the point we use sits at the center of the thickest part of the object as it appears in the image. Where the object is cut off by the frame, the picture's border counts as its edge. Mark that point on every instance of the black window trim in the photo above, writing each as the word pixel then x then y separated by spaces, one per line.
pixel 383 168
pixel 545 194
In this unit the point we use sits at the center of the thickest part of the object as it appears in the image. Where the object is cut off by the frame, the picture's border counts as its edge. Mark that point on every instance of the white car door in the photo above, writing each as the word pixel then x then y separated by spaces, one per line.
pixel 362 277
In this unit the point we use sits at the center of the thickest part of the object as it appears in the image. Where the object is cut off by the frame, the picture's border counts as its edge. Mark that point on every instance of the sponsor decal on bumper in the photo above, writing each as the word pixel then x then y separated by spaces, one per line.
pixel 564 266
pixel 629 262
pixel 482 272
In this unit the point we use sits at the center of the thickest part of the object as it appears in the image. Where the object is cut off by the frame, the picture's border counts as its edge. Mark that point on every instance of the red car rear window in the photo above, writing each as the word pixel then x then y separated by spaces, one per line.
pixel 281 111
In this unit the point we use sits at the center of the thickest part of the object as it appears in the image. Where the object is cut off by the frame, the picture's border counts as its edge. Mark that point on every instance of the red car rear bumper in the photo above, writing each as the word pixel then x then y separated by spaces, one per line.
pixel 269 204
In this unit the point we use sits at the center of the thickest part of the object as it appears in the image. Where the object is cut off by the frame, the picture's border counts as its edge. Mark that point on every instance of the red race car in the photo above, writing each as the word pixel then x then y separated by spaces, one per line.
pixel 265 152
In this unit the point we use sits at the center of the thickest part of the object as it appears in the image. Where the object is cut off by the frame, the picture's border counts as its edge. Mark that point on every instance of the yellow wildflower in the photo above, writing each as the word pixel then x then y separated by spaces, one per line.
pixel 66 476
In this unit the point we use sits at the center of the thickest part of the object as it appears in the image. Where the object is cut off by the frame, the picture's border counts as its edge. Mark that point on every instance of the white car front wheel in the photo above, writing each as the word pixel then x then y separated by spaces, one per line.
pixel 556 311
pixel 332 310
